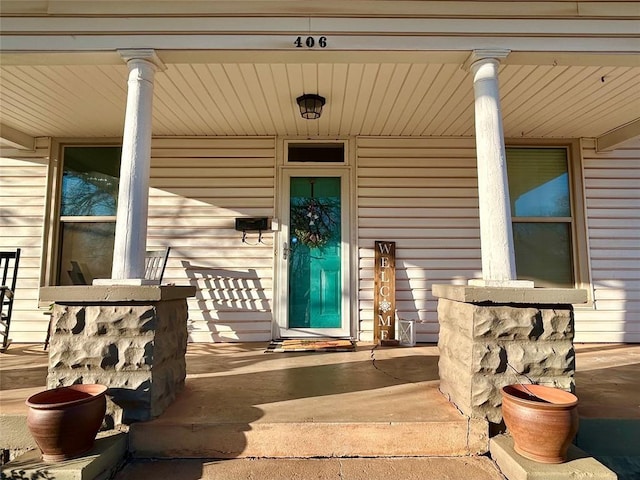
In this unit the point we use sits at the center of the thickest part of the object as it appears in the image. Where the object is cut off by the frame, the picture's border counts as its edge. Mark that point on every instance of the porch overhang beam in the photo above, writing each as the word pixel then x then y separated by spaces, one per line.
pixel 284 42
pixel 618 136
pixel 12 137
pixel 444 56
pixel 377 8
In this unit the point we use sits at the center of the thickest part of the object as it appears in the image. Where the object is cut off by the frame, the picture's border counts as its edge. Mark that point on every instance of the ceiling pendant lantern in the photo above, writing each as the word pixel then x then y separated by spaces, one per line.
pixel 310 105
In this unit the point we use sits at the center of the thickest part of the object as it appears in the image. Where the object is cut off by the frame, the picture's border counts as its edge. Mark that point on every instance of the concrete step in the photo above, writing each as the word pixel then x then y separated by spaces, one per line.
pixel 14 434
pixel 578 464
pixel 605 448
pixel 424 468
pixel 344 404
pixel 105 458
pixel 308 439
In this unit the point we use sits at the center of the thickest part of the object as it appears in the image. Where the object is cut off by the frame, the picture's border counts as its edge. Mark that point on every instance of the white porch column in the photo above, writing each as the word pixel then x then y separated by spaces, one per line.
pixel 496 237
pixel 133 196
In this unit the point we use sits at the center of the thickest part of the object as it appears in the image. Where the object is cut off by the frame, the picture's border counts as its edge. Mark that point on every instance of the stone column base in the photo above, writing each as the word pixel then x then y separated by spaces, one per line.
pixel 132 339
pixel 487 334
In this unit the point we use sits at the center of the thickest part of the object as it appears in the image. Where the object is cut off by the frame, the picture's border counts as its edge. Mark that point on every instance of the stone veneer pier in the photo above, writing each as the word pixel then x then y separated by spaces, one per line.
pixel 483 330
pixel 131 338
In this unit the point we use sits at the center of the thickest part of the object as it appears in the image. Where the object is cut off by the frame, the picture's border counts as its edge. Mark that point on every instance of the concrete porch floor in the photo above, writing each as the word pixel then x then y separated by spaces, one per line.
pixel 253 394
pixel 241 402
pixel 606 374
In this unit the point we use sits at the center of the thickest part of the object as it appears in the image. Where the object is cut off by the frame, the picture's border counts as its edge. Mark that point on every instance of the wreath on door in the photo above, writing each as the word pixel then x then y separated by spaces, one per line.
pixel 313 221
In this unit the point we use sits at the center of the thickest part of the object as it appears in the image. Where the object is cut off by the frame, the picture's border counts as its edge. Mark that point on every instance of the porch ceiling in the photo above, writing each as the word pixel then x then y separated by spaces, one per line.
pixel 430 99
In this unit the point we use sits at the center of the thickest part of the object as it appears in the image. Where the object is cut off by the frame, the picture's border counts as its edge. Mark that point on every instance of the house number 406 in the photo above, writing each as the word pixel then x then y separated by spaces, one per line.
pixel 310 42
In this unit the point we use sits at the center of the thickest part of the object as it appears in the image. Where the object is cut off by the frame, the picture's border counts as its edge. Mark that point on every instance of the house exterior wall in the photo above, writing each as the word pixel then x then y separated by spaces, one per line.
pixel 419 192
pixel 613 221
pixel 198 188
pixel 23 199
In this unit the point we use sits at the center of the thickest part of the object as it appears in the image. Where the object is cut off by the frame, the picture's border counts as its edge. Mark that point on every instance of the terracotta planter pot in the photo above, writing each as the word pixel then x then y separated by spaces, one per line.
pixel 64 421
pixel 542 425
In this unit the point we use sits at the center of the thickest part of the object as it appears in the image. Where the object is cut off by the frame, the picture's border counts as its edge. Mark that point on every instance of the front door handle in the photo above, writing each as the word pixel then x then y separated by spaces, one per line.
pixel 285 250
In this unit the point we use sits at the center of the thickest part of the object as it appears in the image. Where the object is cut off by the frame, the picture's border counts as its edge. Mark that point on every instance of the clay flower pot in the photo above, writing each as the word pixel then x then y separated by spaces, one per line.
pixel 64 421
pixel 543 424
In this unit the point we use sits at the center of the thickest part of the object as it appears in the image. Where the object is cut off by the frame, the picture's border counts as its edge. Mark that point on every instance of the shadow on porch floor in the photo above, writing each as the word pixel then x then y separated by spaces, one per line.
pixel 237 398
pixel 241 402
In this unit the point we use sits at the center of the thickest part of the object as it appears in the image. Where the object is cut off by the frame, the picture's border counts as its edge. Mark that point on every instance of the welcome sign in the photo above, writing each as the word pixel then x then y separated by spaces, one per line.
pixel 384 297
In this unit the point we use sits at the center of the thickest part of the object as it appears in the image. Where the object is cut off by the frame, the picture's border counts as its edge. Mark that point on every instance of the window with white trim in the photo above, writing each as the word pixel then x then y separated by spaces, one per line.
pixel 548 226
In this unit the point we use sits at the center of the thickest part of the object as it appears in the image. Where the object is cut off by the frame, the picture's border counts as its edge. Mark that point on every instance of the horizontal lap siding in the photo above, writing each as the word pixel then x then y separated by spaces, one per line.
pixel 198 188
pixel 422 194
pixel 612 193
pixel 23 184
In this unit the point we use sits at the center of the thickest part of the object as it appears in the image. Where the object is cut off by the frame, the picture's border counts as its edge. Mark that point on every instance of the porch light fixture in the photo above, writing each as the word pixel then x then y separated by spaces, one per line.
pixel 310 105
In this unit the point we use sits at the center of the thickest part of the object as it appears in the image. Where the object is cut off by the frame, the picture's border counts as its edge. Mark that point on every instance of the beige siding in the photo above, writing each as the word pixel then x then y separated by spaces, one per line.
pixel 23 180
pixel 198 188
pixel 422 194
pixel 613 219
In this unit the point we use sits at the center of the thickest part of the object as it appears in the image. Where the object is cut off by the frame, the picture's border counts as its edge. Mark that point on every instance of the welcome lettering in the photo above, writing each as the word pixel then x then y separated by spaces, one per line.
pixel 384 301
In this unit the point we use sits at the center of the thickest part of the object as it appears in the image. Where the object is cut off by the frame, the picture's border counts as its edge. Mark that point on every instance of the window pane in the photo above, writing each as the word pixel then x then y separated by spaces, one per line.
pixel 315 152
pixel 538 182
pixel 90 181
pixel 543 253
pixel 87 252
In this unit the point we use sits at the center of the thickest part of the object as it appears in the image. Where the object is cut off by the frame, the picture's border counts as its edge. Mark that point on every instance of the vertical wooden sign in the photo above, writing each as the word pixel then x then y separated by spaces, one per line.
pixel 384 297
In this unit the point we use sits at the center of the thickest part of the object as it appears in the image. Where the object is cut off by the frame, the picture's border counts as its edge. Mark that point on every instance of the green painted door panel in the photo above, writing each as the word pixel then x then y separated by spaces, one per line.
pixel 315 277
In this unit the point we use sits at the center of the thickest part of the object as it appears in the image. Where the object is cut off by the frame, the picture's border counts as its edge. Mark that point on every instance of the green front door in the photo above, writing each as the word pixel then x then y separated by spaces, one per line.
pixel 315 276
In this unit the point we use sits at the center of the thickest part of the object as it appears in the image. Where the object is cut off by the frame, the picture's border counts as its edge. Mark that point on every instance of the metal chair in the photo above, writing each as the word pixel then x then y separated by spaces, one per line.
pixel 9 268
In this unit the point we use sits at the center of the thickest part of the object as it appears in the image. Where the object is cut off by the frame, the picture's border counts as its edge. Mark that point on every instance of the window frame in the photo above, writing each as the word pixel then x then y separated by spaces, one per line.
pixel 53 222
pixel 317 141
pixel 577 221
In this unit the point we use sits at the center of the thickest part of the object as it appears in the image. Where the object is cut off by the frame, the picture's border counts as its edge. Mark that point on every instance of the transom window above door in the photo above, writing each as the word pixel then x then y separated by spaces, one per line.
pixel 314 152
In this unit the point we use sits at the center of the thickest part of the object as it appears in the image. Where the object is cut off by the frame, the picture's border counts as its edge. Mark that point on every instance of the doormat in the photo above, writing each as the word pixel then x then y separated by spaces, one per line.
pixel 311 345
